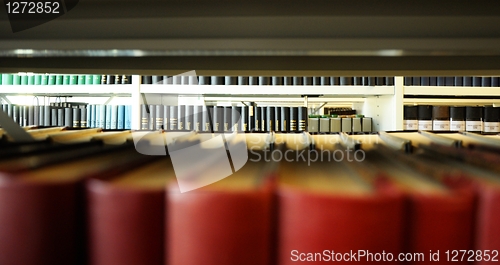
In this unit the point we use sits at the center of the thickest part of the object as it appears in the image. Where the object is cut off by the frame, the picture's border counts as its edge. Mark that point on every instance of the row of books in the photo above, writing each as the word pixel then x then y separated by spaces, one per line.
pixel 60 79
pixel 223 118
pixel 268 80
pixel 286 202
pixel 455 118
pixel 336 123
pixel 339 111
pixel 479 81
pixel 71 115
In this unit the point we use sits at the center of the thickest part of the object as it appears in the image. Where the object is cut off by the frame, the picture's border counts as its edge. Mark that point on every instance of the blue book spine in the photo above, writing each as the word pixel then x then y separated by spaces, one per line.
pixel 128 117
pixel 107 118
pixel 97 116
pixel 114 117
pixel 89 115
pixel 121 117
pixel 102 116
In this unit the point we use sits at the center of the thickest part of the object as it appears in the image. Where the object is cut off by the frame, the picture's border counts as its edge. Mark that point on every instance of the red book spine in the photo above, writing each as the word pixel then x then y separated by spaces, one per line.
pixel 38 223
pixel 126 225
pixel 313 223
pixel 219 228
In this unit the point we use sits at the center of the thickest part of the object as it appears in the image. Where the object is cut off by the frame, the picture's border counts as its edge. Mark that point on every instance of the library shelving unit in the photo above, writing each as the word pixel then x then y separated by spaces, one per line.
pixel 383 103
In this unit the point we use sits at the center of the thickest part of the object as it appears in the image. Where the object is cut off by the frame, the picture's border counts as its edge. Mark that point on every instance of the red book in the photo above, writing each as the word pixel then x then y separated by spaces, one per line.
pixel 225 223
pixel 126 216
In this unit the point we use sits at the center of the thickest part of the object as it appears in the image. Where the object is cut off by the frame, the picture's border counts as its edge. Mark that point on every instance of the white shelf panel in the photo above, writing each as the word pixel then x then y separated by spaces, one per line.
pixel 65 89
pixel 452 101
pixel 263 91
pixel 451 91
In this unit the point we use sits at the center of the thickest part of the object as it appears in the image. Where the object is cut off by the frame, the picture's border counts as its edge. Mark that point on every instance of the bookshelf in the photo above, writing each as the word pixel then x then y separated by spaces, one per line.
pixel 383 103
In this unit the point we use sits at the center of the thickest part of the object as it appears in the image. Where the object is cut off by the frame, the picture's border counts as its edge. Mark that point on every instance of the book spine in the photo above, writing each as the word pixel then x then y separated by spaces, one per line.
pixel 441 81
pixel 114 117
pixel 257 118
pixel 486 81
pixel 25 113
pixel 263 119
pixel 152 117
pixel 197 118
pixel 156 80
pixel 104 79
pixel 325 80
pixel 173 118
pixel 159 117
pixel 206 119
pixel 277 80
pixel 88 117
pixel 31 115
pixel 307 81
pixel 277 119
pixel 102 116
pixel 53 116
pixel 235 118
pixel 166 118
pixel 121 117
pixel 346 81
pixel 218 119
pixel 287 81
pixel 346 124
pixel 302 119
pixel 231 80
pixel 60 117
pixel 449 81
pixel 476 81
pixel 253 80
pixel 110 79
pixel 251 118
pixel 188 117
pixel 389 81
pixel 317 80
pixel 41 115
pixel 128 117
pixel 243 119
pixel 415 81
pixel 217 80
pixel 432 81
pixel 181 117
pixel 76 117
pixel 294 113
pixel 68 117
pixel 47 111
pixel 357 81
pixel 285 119
pixel 108 117
pixel 228 119
pixel 118 79
pixel 83 117
pixel 297 80
pixel 459 81
pixel 94 117
pixel 144 117
pixel 467 81
pixel 270 111
pixel 243 80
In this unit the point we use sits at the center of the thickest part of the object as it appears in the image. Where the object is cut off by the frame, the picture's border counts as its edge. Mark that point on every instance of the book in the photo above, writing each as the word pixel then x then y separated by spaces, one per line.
pixel 102 115
pixel 152 117
pixel 277 119
pixel 217 80
pixel 181 117
pixel 287 81
pixel 459 81
pixel 380 81
pixel 307 81
pixel 277 80
pixel 110 79
pixel 242 80
pixel 297 80
pixel 128 117
pixel 257 117
pixel 68 117
pixel 108 117
pixel 317 81
pixel 197 118
pixel 285 119
pixel 467 81
pixel 449 81
pixel 325 80
pixel 83 117
pixel 76 115
pixel 476 81
pixel 441 81
pixel 31 115
pixel 231 80
pixel 415 81
pixel 173 118
pixel 294 113
pixel 189 118
pixel 270 118
pixel 346 81
pixel 114 117
pixel 60 116
pixel 144 117
pixel 253 80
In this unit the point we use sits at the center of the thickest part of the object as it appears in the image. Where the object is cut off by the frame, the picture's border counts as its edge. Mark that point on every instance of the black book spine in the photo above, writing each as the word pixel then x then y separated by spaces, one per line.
pixel 449 81
pixel 83 118
pixel 110 80
pixel 408 80
pixel 302 119
pixel 415 81
pixel 264 80
pixel 433 81
pixel 335 80
pixel 152 117
pixel 126 79
pixel 380 81
pixel 270 118
pixel 441 81
pixel 159 117
pixel 253 80
pixel 424 81
pixel 104 79
pixel 257 118
pixel 244 119
pixel 325 80
pixel 294 115
pixel 467 81
pixel 495 81
pixel 263 119
pixel 346 81
pixel 173 118
pixel 251 118
pixel 287 81
pixel 277 80
pixel 218 119
pixel 389 80
pixel 118 79
pixel 217 80
pixel 297 80
pixel 486 81
pixel 307 81
pixel 285 119
pixel 197 118
pixel 188 117
pixel 277 119
pixel 231 80
pixel 357 81
pixel 316 81
pixel 459 81
pixel 476 81
pixel 228 119
pixel 235 119
pixel 76 117
pixel 181 117
pixel 54 113
pixel 68 117
pixel 243 80
pixel 144 117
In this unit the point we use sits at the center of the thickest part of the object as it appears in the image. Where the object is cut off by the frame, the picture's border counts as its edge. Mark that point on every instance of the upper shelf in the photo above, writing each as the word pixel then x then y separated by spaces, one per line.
pixel 451 91
pixel 98 90
pixel 231 90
